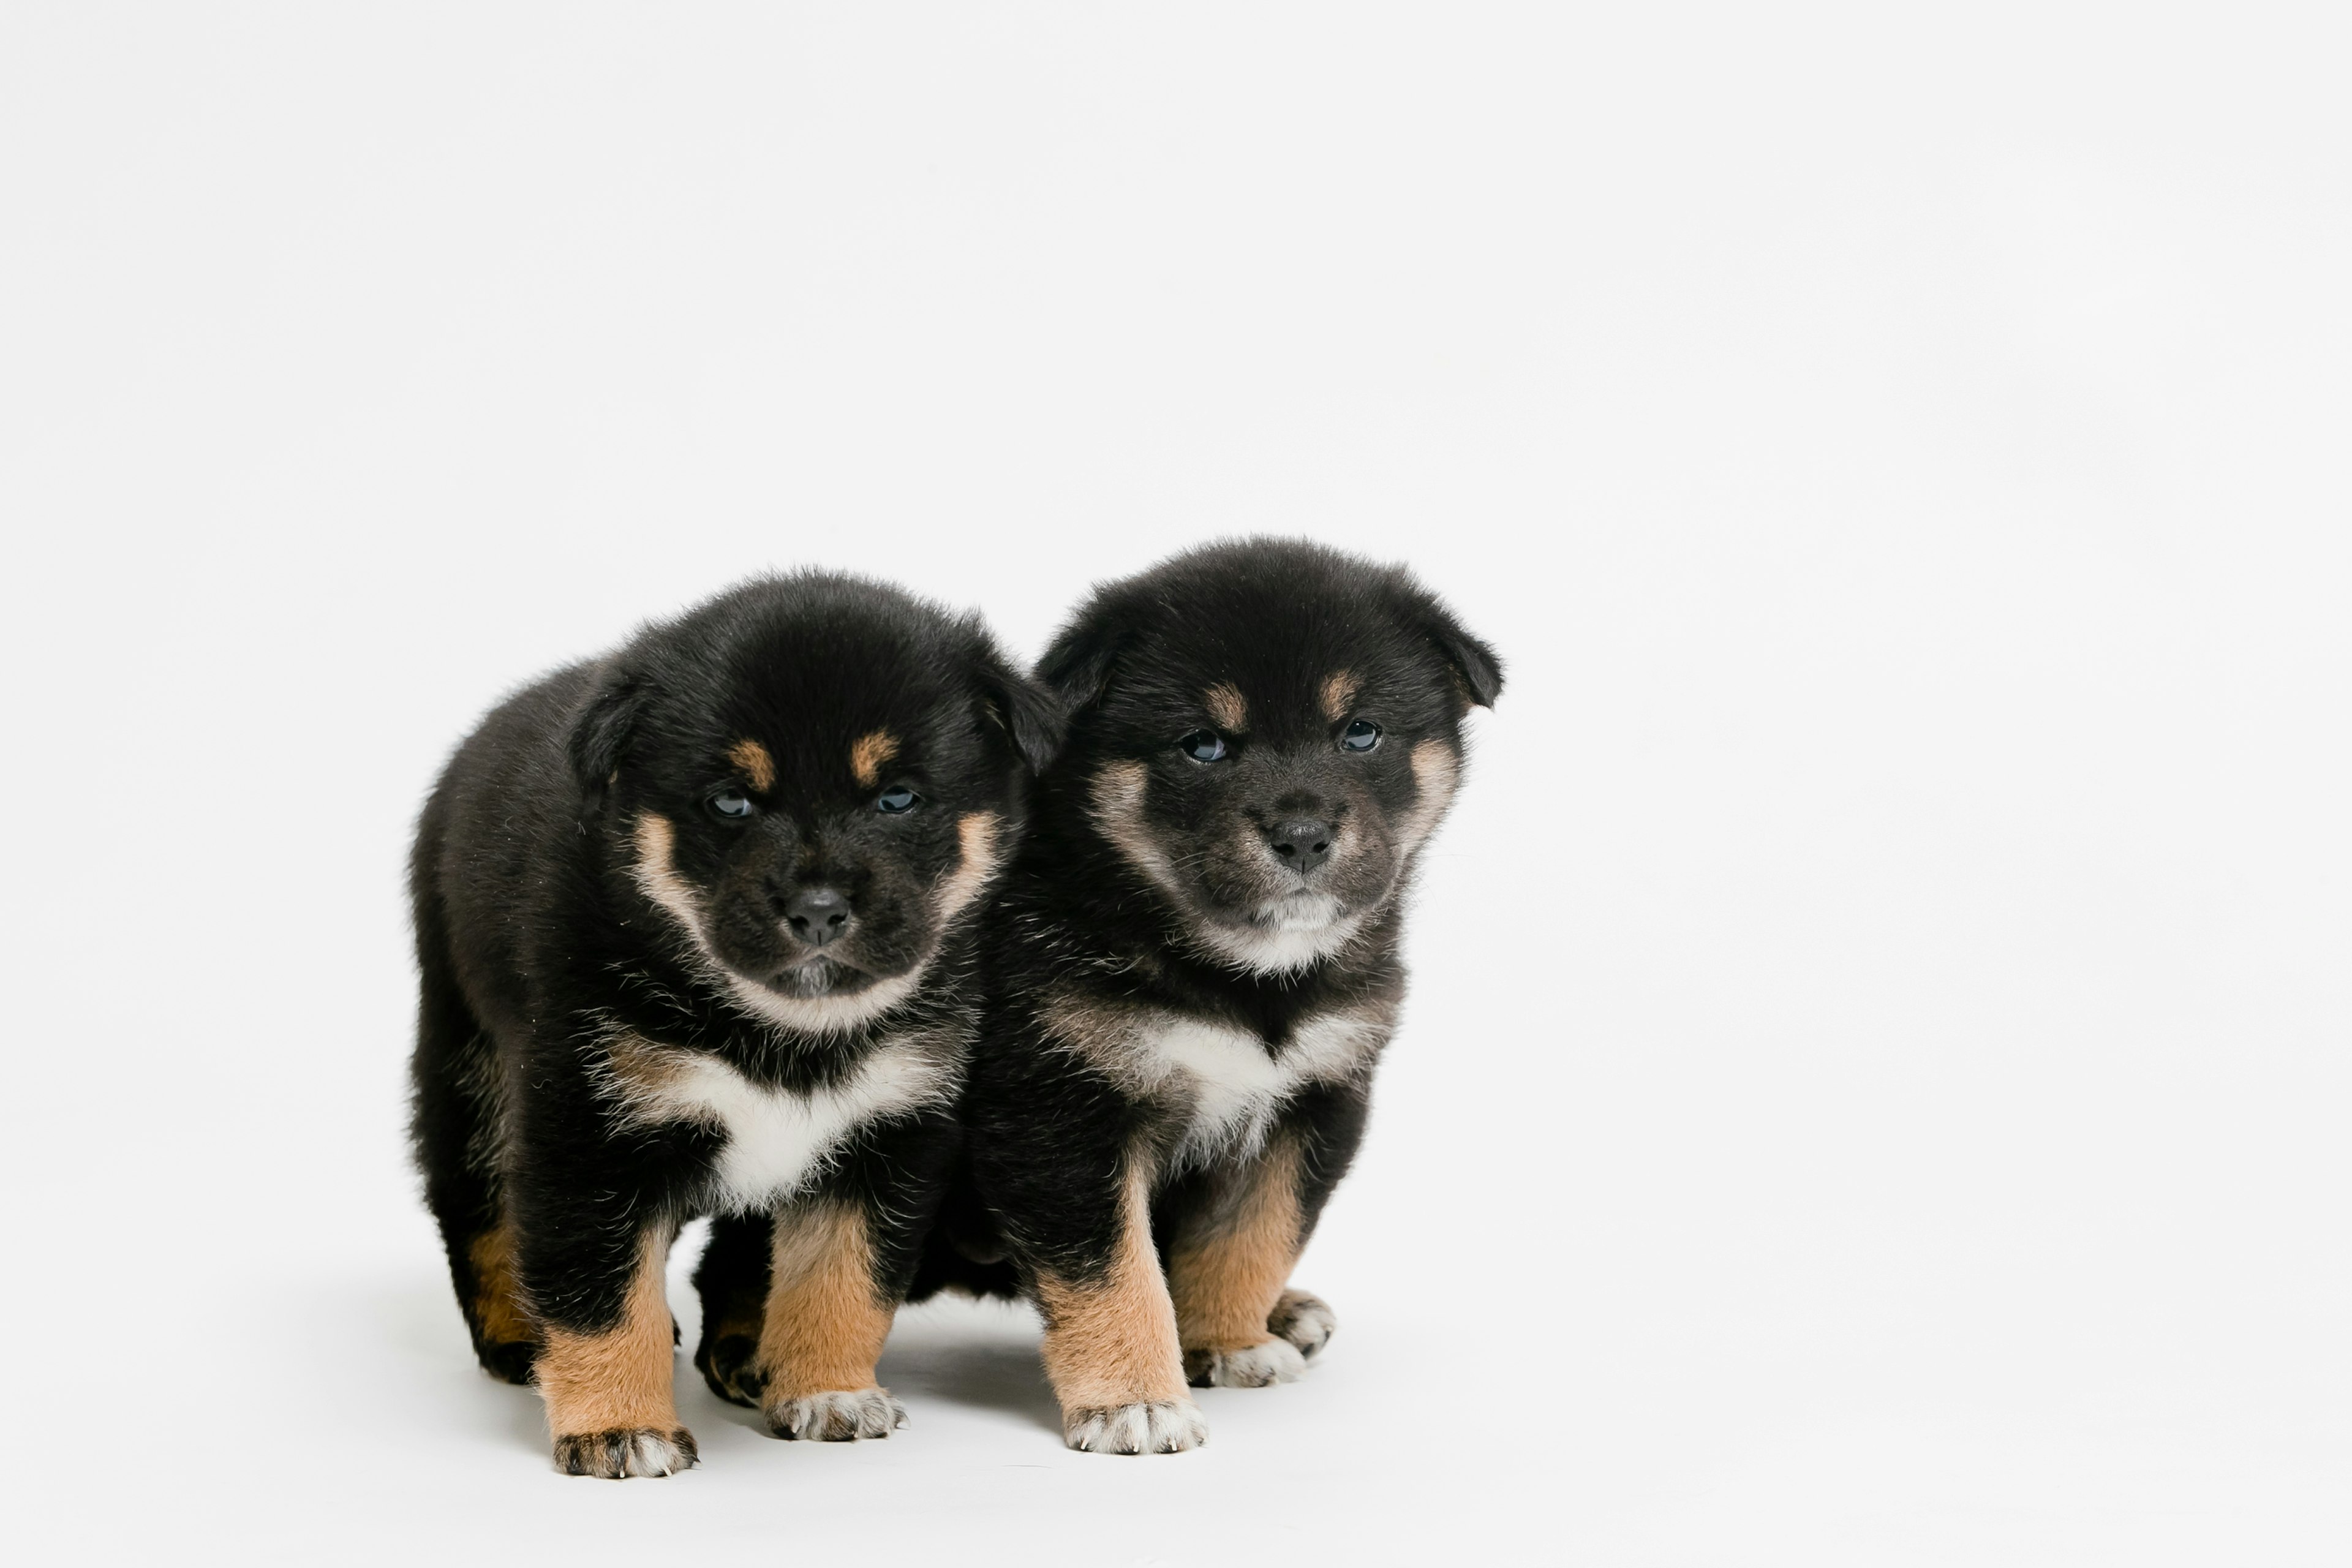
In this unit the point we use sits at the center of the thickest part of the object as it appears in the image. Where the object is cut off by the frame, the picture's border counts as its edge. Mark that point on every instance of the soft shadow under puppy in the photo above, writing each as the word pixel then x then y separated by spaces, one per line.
pixel 977 1353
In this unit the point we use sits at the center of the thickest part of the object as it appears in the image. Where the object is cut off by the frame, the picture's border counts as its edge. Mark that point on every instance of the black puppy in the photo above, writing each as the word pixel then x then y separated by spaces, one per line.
pixel 1194 965
pixel 692 927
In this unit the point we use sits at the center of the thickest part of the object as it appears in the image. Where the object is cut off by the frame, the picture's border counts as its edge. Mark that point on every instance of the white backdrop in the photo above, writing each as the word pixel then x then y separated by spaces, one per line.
pixel 1875 1083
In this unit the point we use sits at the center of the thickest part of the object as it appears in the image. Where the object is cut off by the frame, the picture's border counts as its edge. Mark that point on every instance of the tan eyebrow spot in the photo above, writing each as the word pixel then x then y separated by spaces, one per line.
pixel 1226 709
pixel 1339 689
pixel 757 766
pixel 867 757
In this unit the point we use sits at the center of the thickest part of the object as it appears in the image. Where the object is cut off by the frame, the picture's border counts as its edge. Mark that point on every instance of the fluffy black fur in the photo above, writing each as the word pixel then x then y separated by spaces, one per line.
pixel 1263 734
pixel 584 968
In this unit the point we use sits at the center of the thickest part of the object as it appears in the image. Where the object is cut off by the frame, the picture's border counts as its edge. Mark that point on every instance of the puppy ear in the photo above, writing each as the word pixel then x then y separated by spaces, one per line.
pixel 1077 667
pixel 602 730
pixel 1027 712
pixel 1475 664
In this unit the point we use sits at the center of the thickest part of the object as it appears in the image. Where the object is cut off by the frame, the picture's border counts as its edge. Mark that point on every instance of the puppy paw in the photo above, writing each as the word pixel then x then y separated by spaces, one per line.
pixel 731 1365
pixel 836 1417
pixel 1166 1428
pixel 1252 1367
pixel 625 1451
pixel 1307 1321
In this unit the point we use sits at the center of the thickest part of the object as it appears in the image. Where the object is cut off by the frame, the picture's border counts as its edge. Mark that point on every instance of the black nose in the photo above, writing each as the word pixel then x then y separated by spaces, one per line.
pixel 1302 842
pixel 817 915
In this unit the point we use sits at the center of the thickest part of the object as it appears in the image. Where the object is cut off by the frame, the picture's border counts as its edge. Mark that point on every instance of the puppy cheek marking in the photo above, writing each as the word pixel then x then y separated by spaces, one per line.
pixel 621 1378
pixel 870 754
pixel 498 1292
pixel 1339 694
pixel 976 834
pixel 752 758
pixel 825 1323
pixel 1113 1341
pixel 1434 774
pixel 1226 707
pixel 658 875
pixel 1118 812
pixel 1226 1278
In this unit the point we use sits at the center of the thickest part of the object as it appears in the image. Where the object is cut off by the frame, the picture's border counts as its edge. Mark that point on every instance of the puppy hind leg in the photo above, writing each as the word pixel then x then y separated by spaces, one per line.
pixel 732 1280
pixel 456 1128
pixel 1304 1320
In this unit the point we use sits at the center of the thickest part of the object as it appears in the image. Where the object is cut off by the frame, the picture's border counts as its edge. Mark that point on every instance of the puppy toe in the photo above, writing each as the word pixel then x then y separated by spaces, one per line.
pixel 1168 1426
pixel 1307 1321
pixel 1251 1366
pixel 837 1416
pixel 625 1451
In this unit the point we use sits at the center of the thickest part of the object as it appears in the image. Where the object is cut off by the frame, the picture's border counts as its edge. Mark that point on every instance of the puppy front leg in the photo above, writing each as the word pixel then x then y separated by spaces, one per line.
pixel 606 1374
pixel 1110 1343
pixel 1227 1264
pixel 827 1315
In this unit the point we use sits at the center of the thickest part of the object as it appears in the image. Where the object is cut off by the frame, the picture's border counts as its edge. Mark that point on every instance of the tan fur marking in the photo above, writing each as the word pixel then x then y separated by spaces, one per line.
pixel 499 1314
pixel 1338 693
pixel 643 1073
pixel 872 752
pixel 756 765
pixel 1118 811
pixel 657 872
pixel 976 833
pixel 824 1324
pixel 1113 1341
pixel 1226 709
pixel 1228 1272
pixel 1434 774
pixel 598 1382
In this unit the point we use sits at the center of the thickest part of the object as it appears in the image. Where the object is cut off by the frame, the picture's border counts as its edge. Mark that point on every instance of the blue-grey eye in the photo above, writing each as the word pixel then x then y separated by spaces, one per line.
pixel 1203 745
pixel 1361 736
pixel 895 799
pixel 731 804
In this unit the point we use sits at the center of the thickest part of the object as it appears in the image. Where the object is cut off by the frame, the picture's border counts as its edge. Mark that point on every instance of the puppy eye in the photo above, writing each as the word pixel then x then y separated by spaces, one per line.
pixel 895 799
pixel 731 804
pixel 1203 745
pixel 1361 736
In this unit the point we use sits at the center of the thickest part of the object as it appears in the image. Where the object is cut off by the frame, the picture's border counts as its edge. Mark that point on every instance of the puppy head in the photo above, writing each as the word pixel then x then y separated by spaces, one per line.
pixel 1268 730
pixel 812 777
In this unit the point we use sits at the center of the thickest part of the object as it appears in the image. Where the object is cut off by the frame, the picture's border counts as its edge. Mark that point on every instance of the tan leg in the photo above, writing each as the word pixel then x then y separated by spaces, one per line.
pixel 1226 1271
pixel 824 1327
pixel 506 1340
pixel 1111 1350
pixel 608 1395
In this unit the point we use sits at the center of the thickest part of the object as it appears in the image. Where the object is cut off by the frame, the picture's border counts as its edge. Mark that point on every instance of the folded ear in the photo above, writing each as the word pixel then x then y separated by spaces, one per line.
pixel 602 730
pixel 1078 665
pixel 1475 664
pixel 1024 710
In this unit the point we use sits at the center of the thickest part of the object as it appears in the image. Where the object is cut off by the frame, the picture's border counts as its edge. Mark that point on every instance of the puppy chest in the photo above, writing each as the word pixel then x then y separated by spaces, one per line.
pixel 776 1140
pixel 1227 1085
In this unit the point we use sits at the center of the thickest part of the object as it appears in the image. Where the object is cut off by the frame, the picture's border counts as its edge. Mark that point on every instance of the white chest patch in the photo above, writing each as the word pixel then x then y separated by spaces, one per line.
pixel 776 1139
pixel 1224 1082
